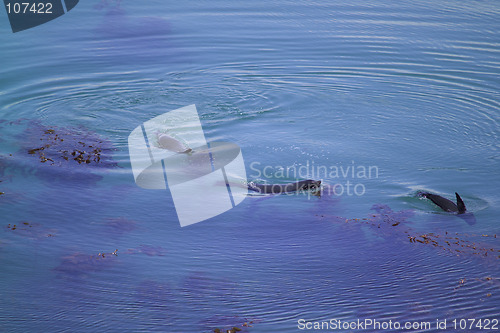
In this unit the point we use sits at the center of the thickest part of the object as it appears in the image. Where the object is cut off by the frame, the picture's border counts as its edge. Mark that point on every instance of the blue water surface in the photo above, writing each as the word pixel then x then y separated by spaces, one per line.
pixel 411 89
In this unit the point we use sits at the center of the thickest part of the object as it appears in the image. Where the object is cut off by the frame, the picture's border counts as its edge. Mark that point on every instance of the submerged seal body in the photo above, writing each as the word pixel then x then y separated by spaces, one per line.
pixel 445 204
pixel 284 188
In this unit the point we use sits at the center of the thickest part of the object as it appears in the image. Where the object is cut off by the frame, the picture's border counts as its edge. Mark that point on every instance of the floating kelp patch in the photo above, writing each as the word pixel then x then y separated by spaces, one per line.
pixel 228 324
pixel 62 154
pixel 59 146
pixel 394 225
pixel 234 329
pixel 30 230
pixel 79 264
pixel 456 243
pixel 491 284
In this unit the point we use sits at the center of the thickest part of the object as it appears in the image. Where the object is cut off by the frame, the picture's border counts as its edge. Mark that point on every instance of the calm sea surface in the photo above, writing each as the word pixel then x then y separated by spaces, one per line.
pixel 408 89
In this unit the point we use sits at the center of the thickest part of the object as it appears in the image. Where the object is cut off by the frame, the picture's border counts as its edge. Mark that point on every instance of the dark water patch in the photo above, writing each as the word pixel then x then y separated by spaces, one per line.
pixel 202 289
pixel 80 265
pixel 120 25
pixel 134 39
pixel 161 302
pixel 9 196
pixel 5 163
pixel 154 294
pixel 166 301
pixel 120 225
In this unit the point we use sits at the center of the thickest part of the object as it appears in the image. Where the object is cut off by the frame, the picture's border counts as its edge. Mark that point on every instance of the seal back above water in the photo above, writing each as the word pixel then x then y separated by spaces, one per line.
pixel 302 185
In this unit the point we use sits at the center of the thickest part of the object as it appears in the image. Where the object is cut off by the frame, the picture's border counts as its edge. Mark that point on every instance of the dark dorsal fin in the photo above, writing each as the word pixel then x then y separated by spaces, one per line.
pixel 460 204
